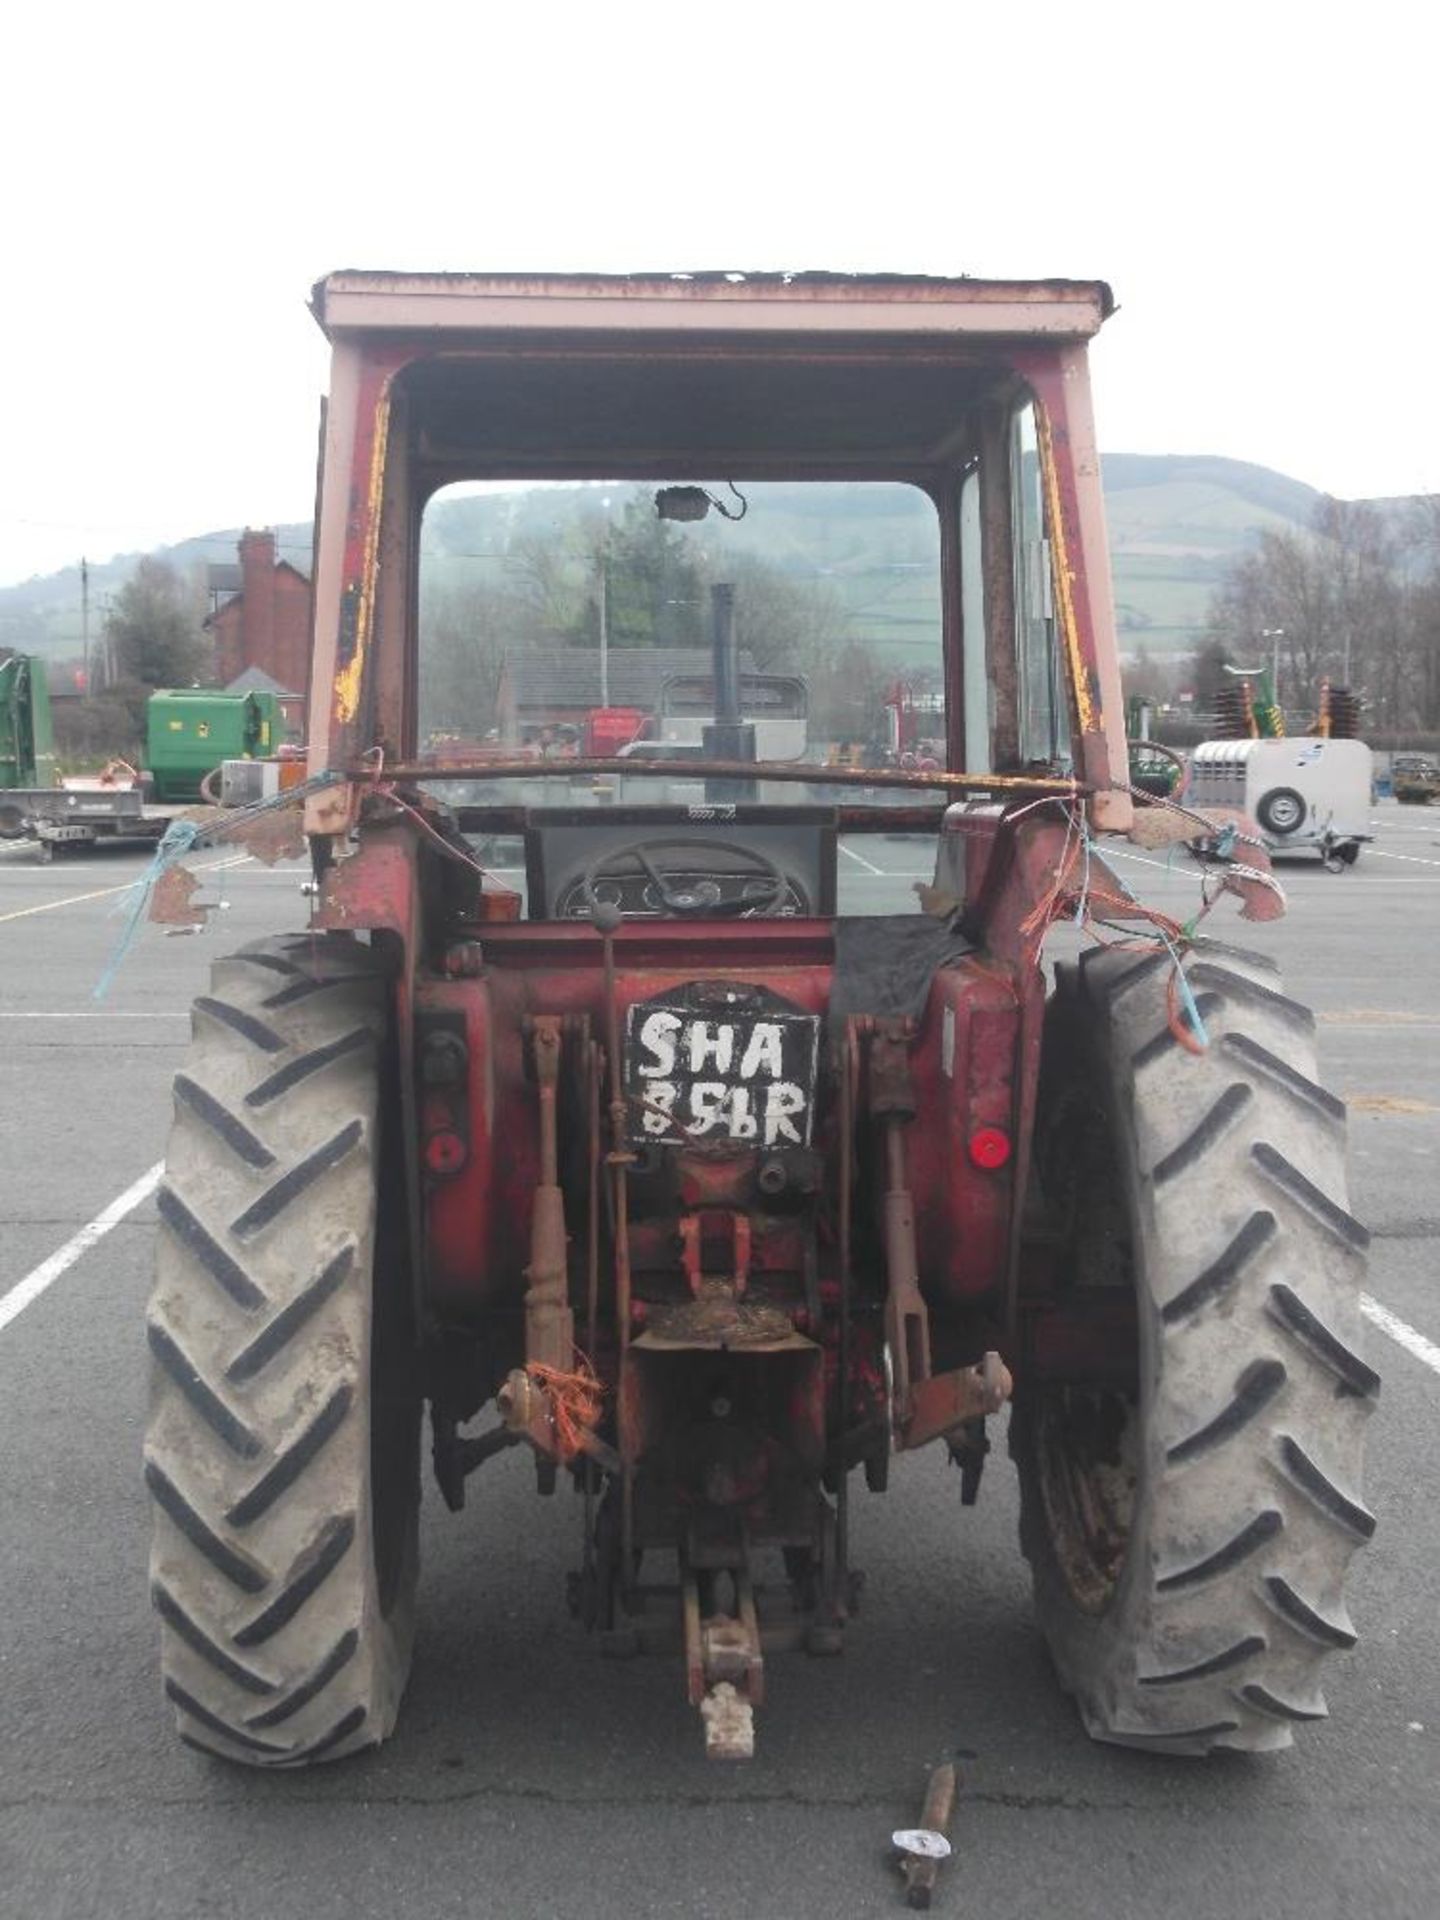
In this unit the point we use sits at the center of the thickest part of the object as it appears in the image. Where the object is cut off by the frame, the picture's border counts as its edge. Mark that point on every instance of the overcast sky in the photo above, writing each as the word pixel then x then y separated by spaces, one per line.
pixel 1256 181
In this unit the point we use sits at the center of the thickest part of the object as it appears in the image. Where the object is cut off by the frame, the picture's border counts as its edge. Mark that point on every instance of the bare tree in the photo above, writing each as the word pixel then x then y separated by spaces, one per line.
pixel 463 636
pixel 1344 601
pixel 1358 547
pixel 786 625
pixel 1420 611
pixel 154 636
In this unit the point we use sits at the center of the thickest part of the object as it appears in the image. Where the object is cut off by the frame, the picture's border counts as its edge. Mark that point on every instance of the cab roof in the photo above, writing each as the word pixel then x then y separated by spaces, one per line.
pixel 698 374
pixel 353 301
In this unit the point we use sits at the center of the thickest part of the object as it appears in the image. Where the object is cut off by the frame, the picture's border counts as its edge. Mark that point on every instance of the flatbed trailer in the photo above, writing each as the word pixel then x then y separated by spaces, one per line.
pixel 69 819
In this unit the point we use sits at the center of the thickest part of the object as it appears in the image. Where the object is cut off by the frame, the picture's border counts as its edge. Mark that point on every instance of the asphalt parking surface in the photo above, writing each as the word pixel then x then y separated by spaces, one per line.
pixel 530 1778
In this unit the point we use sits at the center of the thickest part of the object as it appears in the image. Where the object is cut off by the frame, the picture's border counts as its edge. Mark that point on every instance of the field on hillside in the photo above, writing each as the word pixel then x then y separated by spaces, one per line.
pixel 1175 523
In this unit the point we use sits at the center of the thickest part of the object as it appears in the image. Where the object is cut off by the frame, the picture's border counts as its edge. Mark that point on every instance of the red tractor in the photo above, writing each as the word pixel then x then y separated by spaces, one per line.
pixel 707 1164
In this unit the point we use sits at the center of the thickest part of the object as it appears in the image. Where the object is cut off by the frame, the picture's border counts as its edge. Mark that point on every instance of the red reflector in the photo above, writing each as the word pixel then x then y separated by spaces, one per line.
pixel 989 1147
pixel 444 1152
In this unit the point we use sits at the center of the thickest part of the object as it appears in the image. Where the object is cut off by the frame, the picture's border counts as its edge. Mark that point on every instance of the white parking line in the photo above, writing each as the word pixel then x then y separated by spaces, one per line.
pixel 59 874
pixel 103 893
pixel 861 861
pixel 35 1283
pixel 69 1013
pixel 1401 1332
pixel 1182 868
pixel 1411 859
pixel 1185 870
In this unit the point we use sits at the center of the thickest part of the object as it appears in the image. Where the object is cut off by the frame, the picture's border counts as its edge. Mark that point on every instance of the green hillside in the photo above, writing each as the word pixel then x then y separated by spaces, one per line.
pixel 873 550
pixel 45 615
pixel 1175 522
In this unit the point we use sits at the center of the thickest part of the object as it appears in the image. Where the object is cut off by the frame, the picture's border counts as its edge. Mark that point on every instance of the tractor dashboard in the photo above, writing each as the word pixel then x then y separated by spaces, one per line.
pixel 717 860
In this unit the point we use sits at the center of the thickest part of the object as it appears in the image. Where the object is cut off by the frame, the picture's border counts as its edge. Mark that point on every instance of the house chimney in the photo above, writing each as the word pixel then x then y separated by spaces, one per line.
pixel 257 606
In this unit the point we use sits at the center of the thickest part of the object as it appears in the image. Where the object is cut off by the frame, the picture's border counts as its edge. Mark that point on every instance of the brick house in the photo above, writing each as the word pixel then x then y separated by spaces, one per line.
pixel 266 624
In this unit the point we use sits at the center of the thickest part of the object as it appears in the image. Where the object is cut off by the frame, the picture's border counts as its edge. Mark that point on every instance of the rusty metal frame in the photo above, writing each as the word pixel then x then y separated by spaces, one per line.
pixel 802 773
pixel 847 1069
pixel 1080 566
pixel 891 1103
pixel 348 544
pixel 946 499
pixel 997 566
pixel 549 1322
pixel 381 896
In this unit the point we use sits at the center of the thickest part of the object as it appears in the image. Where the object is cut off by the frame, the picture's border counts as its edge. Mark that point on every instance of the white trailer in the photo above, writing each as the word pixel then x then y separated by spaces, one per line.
pixel 1305 793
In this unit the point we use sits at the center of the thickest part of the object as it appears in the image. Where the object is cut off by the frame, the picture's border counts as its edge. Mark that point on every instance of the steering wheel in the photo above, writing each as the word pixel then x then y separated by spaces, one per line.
pixel 696 898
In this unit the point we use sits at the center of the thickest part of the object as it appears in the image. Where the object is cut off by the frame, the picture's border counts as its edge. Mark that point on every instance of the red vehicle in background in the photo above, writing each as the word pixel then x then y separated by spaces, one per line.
pixel 913 720
pixel 608 729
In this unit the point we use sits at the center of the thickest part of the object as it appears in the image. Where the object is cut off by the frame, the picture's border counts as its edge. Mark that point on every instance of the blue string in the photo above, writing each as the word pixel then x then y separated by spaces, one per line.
pixel 184 837
pixel 1187 998
pixel 181 837
pixel 1082 903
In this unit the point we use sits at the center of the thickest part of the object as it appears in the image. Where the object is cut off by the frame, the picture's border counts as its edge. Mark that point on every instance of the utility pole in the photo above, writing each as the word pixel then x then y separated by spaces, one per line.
pixel 85 619
pixel 1275 635
pixel 604 633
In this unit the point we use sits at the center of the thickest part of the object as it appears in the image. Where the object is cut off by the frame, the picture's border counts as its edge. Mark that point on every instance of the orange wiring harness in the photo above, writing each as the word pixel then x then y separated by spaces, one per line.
pixel 1067 900
pixel 574 1399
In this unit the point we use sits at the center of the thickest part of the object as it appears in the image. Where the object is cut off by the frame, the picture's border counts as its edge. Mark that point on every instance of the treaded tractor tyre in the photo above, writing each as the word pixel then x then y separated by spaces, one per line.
pixel 282 1451
pixel 1282 810
pixel 1189 1530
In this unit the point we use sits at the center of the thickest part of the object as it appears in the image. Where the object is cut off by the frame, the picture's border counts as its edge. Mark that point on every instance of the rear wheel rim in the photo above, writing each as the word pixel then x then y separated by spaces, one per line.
pixel 1086 1437
pixel 1086 1448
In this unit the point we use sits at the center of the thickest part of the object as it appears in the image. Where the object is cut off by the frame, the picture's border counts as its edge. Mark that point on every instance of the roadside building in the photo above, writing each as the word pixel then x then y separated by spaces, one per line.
pixel 549 687
pixel 261 622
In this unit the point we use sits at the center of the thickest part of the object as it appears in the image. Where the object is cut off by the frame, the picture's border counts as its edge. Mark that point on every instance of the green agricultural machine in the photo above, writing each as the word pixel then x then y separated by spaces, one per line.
pixel 1154 769
pixel 27 747
pixel 189 732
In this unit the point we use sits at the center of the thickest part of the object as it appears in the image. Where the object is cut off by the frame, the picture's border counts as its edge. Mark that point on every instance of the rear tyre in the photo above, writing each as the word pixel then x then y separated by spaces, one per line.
pixel 1189 1531
pixel 282 1451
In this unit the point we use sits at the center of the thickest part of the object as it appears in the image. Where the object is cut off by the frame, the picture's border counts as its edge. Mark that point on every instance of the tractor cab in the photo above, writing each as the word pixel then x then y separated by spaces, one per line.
pixel 532 483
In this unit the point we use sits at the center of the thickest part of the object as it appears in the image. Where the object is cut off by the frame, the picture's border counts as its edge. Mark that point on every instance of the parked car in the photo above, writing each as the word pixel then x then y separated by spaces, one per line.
pixel 1414 779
